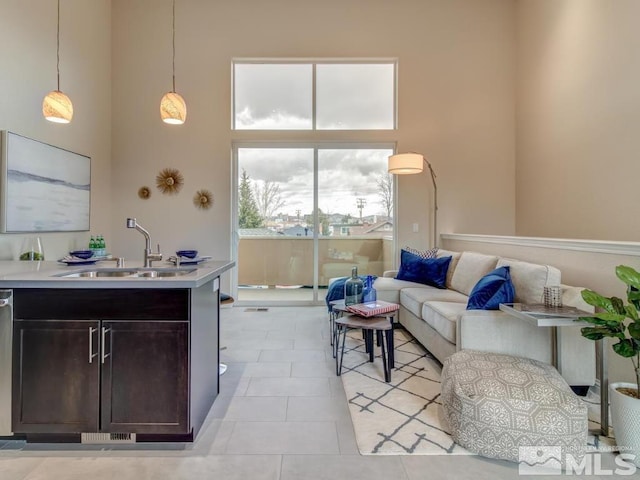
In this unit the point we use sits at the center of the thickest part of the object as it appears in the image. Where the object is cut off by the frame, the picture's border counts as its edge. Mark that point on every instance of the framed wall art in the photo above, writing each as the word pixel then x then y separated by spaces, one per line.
pixel 43 188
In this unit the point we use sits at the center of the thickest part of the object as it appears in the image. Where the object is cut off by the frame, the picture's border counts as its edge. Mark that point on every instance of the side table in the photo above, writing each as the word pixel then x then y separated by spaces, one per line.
pixel 384 334
pixel 553 318
pixel 337 309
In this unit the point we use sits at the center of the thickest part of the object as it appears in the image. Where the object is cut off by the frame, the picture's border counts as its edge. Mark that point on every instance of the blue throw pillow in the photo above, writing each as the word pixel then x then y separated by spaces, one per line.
pixel 428 271
pixel 492 290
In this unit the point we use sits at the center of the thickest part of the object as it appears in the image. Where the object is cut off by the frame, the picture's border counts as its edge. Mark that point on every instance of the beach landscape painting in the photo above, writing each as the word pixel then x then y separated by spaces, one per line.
pixel 44 188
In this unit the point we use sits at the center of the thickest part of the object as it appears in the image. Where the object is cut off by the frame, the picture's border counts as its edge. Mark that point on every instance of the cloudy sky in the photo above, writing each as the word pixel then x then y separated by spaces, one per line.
pixel 279 96
pixel 348 96
pixel 343 176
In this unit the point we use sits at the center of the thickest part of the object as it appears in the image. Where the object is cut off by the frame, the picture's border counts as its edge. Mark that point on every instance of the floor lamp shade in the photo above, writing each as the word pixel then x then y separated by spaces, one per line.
pixel 57 107
pixel 173 108
pixel 406 163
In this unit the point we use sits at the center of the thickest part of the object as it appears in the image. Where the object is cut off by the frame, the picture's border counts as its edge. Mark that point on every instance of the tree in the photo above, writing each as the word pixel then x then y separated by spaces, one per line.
pixel 248 214
pixel 268 198
pixel 323 221
pixel 385 192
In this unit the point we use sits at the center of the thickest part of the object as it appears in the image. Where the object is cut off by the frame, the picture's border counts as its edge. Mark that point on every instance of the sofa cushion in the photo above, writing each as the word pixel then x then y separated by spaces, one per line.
pixel 442 317
pixel 429 271
pixel 413 298
pixel 455 256
pixel 492 290
pixel 388 289
pixel 529 279
pixel 471 267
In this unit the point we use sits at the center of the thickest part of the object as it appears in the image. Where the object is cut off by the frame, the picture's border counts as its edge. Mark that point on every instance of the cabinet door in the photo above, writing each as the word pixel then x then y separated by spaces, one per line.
pixel 56 376
pixel 145 381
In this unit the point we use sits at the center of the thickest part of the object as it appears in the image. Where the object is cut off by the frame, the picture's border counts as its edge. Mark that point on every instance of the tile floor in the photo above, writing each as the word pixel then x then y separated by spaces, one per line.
pixel 281 415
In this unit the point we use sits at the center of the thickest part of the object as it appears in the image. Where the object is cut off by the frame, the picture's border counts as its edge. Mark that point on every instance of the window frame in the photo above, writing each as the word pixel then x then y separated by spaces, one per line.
pixel 316 146
pixel 314 62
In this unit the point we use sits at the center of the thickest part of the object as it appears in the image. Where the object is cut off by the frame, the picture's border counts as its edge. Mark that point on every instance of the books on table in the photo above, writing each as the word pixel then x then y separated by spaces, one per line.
pixel 371 309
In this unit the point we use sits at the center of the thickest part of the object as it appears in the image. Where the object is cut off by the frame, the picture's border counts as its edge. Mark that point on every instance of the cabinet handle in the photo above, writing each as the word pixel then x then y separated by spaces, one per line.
pixel 91 354
pixel 105 330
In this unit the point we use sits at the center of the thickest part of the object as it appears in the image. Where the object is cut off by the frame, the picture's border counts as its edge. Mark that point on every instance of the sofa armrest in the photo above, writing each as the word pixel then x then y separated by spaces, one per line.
pixel 496 331
pixel 499 332
pixel 390 273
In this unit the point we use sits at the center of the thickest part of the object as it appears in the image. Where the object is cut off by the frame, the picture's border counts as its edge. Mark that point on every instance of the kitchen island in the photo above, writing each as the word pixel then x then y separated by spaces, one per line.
pixel 104 354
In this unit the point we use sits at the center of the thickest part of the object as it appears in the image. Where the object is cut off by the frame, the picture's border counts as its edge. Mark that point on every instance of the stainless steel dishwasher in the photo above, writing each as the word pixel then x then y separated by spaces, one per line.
pixel 6 334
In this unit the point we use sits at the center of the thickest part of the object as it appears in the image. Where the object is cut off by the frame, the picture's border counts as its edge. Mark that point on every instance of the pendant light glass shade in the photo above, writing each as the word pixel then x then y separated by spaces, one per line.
pixel 57 107
pixel 173 109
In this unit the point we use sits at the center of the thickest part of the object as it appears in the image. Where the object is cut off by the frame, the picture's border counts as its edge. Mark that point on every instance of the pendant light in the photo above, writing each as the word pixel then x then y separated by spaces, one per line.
pixel 56 106
pixel 173 109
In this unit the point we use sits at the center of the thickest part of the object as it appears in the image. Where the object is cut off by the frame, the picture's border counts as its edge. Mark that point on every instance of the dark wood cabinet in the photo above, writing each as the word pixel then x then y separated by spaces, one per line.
pixel 131 372
pixel 56 386
pixel 145 377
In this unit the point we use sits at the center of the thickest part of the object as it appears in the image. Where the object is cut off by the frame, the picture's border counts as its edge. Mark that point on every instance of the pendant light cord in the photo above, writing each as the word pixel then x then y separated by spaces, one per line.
pixel 174 45
pixel 58 47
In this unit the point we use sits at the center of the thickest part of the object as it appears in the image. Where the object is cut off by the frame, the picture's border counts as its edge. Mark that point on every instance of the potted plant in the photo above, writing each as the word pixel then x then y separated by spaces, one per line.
pixel 621 321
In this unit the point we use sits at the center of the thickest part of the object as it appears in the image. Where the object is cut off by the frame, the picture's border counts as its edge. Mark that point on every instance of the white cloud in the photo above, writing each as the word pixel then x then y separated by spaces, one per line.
pixel 343 176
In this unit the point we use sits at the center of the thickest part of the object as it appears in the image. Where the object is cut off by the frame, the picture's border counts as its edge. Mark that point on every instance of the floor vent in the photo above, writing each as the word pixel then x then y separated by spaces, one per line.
pixel 108 438
pixel 256 309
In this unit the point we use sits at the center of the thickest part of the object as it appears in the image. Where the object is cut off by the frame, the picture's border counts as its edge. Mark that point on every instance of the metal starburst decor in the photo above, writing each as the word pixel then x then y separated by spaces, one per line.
pixel 144 192
pixel 203 199
pixel 169 181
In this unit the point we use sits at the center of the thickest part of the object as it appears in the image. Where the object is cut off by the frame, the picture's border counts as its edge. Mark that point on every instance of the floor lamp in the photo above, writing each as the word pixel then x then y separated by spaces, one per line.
pixel 409 163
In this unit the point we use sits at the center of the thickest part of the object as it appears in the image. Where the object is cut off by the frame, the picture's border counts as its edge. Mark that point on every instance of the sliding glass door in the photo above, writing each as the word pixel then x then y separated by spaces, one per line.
pixel 307 213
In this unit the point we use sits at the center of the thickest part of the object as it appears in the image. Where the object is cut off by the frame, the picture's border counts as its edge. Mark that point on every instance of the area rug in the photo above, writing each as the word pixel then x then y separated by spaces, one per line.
pixel 401 417
pixel 404 416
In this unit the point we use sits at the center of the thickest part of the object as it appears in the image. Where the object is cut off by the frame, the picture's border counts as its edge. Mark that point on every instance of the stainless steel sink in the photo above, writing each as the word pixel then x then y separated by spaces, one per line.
pixel 163 272
pixel 129 273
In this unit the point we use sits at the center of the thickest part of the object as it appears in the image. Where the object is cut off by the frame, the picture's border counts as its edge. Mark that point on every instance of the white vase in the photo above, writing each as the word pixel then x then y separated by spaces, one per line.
pixel 625 419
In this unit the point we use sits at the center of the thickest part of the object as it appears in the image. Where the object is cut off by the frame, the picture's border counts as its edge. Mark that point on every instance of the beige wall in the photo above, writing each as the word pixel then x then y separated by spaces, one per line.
pixel 578 115
pixel 456 104
pixel 28 73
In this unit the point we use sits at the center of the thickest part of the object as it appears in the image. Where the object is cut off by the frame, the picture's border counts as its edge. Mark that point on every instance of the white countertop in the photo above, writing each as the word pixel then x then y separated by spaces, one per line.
pixel 45 274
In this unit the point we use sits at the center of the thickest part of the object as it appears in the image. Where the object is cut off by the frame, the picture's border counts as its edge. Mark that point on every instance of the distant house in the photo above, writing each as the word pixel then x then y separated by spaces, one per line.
pixel 377 230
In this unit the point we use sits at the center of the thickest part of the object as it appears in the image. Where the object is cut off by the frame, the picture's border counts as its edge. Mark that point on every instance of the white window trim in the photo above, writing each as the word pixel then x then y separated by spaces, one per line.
pixel 313 62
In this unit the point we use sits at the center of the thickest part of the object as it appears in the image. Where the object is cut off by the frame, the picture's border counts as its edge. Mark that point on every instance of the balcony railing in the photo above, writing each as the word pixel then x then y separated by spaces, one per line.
pixel 288 261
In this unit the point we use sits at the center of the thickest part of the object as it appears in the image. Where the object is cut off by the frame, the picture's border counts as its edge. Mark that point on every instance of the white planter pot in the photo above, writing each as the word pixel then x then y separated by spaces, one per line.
pixel 625 419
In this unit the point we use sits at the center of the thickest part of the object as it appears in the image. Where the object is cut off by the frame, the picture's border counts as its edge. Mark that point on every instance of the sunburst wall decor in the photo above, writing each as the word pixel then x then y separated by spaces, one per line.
pixel 169 181
pixel 144 192
pixel 203 199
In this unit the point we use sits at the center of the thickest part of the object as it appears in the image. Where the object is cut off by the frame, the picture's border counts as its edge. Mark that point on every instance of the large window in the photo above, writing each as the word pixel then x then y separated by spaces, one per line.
pixel 309 205
pixel 314 95
pixel 307 214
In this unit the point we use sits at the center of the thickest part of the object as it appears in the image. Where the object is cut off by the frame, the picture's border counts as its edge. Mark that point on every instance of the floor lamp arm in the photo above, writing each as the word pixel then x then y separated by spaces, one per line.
pixel 435 203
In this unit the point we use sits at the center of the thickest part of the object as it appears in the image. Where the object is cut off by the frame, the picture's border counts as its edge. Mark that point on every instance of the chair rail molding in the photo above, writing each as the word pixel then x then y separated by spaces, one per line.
pixel 594 246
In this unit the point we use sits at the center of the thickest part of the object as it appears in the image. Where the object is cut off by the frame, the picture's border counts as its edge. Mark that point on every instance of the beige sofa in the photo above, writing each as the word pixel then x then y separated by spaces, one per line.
pixel 438 318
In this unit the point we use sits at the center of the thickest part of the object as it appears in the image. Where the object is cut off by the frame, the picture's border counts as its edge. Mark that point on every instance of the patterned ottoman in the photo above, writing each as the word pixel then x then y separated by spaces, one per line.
pixel 496 403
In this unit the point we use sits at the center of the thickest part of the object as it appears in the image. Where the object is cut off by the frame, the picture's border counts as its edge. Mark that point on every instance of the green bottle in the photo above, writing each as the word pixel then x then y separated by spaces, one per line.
pixel 102 247
pixel 92 243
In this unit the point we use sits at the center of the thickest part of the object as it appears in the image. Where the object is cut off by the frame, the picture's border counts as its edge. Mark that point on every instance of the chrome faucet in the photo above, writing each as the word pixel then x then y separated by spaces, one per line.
pixel 149 256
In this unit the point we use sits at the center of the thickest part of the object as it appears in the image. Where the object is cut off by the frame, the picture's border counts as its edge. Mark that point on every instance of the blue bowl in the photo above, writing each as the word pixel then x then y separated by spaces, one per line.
pixel 84 254
pixel 187 253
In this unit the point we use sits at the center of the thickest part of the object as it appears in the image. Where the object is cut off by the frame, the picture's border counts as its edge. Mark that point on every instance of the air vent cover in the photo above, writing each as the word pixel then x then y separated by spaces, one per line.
pixel 94 438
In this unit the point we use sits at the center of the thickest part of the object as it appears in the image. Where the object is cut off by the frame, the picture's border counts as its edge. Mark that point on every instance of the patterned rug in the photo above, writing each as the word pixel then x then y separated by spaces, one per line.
pixel 403 417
